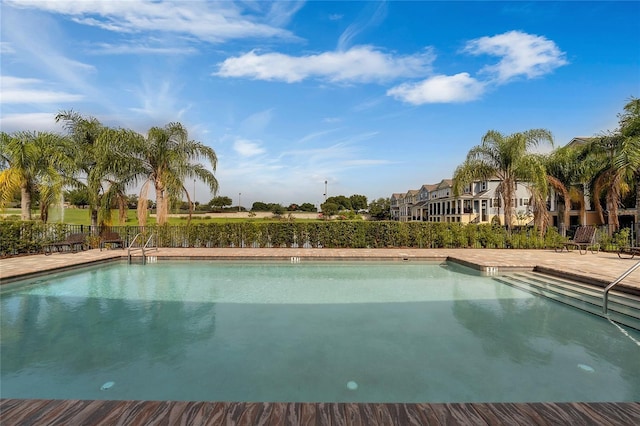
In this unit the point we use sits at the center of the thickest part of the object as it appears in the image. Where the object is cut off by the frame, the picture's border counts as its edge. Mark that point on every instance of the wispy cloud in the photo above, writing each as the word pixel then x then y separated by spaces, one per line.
pixel 159 99
pixel 140 49
pixel 522 55
pixel 213 22
pixel 315 135
pixel 371 16
pixel 16 90
pixel 256 123
pixel 246 148
pixel 6 48
pixel 439 89
pixel 358 64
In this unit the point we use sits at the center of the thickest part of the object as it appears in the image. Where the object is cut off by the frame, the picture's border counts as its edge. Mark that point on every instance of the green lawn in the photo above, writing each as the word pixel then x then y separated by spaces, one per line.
pixel 81 217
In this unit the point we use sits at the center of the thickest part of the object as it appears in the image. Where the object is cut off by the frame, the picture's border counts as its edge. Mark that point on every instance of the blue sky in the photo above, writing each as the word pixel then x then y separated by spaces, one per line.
pixel 372 97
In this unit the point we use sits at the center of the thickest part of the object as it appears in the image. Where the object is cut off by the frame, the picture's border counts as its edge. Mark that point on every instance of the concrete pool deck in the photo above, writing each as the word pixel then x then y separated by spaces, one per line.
pixel 594 268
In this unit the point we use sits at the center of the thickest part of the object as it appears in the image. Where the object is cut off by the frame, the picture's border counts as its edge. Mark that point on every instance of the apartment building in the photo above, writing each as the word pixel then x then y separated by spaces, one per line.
pixel 478 203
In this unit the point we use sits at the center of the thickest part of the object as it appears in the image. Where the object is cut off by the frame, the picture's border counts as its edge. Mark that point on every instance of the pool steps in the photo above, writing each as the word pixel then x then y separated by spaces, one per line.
pixel 624 308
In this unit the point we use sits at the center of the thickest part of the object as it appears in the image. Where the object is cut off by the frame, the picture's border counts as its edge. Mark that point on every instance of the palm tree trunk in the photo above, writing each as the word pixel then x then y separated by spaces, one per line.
pixel 161 205
pixel 94 218
pixel 508 201
pixel 25 201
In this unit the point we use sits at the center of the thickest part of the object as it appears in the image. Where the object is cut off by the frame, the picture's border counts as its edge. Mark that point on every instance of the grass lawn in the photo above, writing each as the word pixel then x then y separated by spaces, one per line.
pixel 81 217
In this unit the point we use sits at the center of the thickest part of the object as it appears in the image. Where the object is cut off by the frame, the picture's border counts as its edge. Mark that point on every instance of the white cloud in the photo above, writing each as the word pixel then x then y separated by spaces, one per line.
pixel 208 21
pixel 16 90
pixel 37 121
pixel 140 49
pixel 358 64
pixel 439 89
pixel 247 148
pixel 522 54
pixel 6 48
pixel 159 99
pixel 256 123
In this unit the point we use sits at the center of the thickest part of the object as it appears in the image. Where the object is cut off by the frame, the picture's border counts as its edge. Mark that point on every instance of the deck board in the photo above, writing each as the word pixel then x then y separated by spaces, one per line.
pixel 71 412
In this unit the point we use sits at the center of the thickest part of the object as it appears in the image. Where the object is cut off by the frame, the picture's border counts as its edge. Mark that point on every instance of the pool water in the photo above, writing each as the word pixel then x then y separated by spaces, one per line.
pixel 304 332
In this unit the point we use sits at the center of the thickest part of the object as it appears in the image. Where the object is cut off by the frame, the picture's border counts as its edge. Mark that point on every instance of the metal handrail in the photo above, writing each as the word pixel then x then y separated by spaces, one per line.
pixel 605 297
pixel 141 248
pixel 131 246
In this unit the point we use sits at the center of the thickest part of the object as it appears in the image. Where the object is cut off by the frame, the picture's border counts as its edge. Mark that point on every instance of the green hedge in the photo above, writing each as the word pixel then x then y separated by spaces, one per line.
pixel 18 237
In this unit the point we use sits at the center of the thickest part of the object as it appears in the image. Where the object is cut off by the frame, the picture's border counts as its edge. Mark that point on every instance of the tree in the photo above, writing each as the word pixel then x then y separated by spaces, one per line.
pixel 260 206
pixel 32 162
pixel 341 201
pixel 220 202
pixel 616 159
pixel 329 209
pixel 358 202
pixel 77 197
pixel 165 159
pixel 380 209
pixel 276 209
pixel 307 207
pixel 98 158
pixel 507 158
pixel 565 173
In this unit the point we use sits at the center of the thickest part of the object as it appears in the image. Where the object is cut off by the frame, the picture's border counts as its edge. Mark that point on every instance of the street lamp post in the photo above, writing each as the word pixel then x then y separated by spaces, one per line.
pixel 239 194
pixel 325 191
pixel 194 194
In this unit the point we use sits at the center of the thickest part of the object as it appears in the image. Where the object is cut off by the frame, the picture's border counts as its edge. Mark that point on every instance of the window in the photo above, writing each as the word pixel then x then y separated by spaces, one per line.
pixel 483 186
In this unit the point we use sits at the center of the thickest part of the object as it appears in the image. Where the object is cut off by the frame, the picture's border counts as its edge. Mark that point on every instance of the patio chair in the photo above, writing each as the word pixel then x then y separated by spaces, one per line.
pixel 584 239
pixel 112 238
pixel 74 242
pixel 628 252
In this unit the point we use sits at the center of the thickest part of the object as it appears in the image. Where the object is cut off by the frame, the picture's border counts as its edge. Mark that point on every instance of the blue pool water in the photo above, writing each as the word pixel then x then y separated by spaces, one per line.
pixel 323 332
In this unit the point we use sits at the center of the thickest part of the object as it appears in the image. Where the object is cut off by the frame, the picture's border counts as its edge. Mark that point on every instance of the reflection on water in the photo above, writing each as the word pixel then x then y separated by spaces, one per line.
pixel 214 332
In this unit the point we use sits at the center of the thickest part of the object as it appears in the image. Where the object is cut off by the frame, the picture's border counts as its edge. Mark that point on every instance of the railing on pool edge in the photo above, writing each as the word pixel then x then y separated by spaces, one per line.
pixel 145 246
pixel 605 297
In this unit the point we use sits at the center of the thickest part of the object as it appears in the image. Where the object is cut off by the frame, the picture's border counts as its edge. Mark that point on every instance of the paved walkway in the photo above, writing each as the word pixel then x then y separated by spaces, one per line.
pixel 599 268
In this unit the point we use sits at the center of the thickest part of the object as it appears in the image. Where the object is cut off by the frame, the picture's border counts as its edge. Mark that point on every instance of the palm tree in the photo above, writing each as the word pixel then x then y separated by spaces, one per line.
pixel 506 157
pixel 566 168
pixel 166 158
pixel 629 156
pixel 616 160
pixel 97 152
pixel 32 162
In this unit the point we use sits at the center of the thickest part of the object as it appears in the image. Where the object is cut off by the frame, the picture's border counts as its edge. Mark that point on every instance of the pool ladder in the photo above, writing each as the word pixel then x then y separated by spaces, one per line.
pixel 605 296
pixel 145 246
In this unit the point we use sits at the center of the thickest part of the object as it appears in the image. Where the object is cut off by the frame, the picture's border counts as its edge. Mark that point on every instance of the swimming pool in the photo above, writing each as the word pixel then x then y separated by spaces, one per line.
pixel 310 331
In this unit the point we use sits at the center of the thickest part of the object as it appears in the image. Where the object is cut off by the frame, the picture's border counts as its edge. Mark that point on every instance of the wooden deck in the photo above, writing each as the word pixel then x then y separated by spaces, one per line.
pixel 74 412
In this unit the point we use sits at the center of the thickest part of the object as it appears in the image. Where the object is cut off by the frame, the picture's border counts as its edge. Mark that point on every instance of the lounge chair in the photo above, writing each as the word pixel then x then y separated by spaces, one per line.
pixel 584 239
pixel 628 252
pixel 112 238
pixel 75 242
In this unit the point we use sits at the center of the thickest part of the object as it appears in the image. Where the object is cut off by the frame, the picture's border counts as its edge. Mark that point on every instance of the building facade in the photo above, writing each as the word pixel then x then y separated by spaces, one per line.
pixel 478 203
